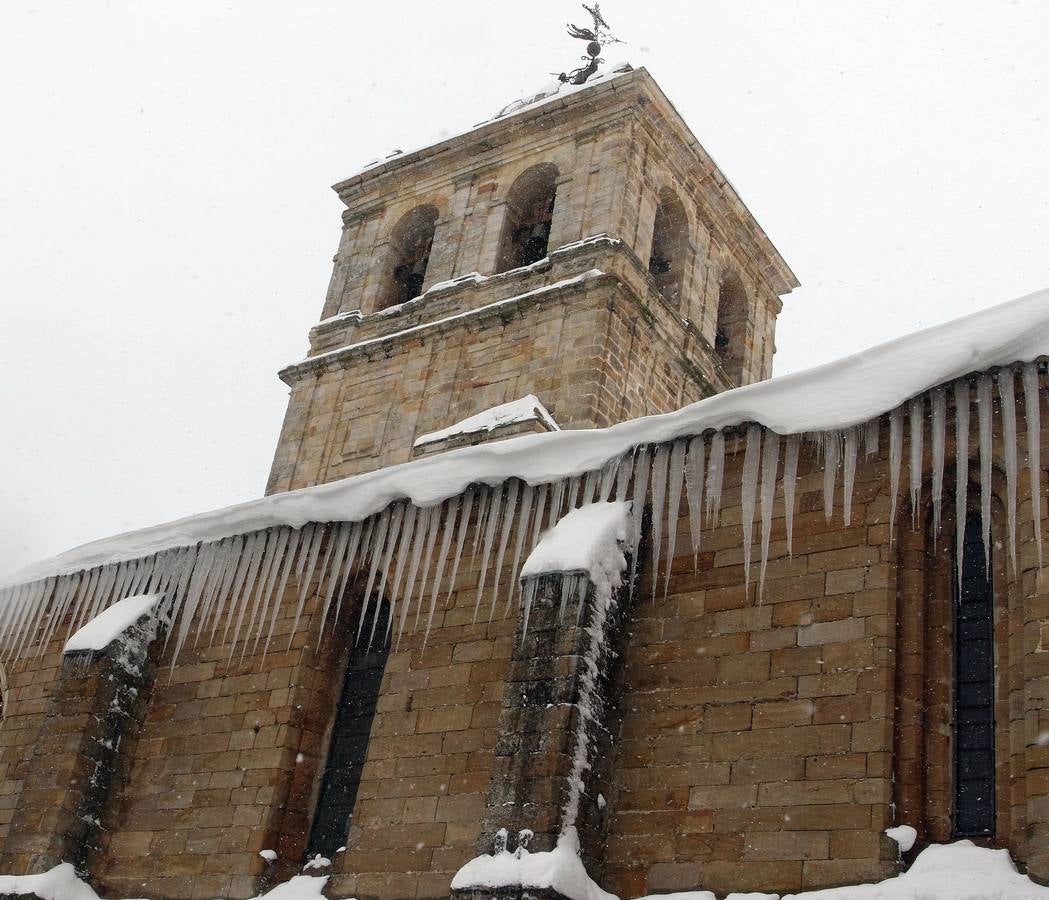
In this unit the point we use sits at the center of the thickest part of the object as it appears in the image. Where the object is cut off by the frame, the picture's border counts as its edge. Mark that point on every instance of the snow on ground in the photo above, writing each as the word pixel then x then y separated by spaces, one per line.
pixel 958 871
pixel 59 883
pixel 832 396
pixel 112 622
pixel 526 409
pixel 560 869
pixel 301 887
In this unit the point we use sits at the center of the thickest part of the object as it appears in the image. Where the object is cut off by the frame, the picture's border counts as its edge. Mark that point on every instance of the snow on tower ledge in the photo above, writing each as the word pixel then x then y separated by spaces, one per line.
pixel 836 395
pixel 527 409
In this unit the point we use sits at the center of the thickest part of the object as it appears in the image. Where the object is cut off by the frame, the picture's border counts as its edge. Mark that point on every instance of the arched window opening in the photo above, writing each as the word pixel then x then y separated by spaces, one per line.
pixel 973 695
pixel 666 263
pixel 410 243
pixel 348 746
pixel 730 335
pixel 529 213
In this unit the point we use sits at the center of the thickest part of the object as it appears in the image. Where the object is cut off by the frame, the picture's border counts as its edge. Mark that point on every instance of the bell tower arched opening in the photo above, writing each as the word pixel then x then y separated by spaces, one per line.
pixel 529 213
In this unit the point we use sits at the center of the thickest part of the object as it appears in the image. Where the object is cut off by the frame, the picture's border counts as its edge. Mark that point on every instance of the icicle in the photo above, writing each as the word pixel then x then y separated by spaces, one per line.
pixel 342 538
pixel 852 441
pixel 489 539
pixel 557 496
pixel 895 464
pixel 715 477
pixel 267 582
pixel 870 437
pixel 659 493
pixel 985 414
pixel 677 478
pixel 482 514
pixel 418 545
pixel 1032 410
pixel 609 475
pixel 431 539
pixel 591 486
pixel 642 466
pixel 196 591
pixel 832 446
pixel 528 590
pixel 695 464
pixel 917 416
pixel 464 524
pixel 961 467
pixel 509 515
pixel 790 485
pixel 405 549
pixel 626 469
pixel 290 548
pixel 360 535
pixel 234 560
pixel 248 558
pixel 573 492
pixel 769 467
pixel 382 527
pixel 939 439
pixel 537 522
pixel 523 521
pixel 1007 391
pixel 442 556
pixel 748 493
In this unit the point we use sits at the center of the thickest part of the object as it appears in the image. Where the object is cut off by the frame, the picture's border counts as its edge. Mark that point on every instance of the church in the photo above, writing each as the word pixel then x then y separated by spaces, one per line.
pixel 555 592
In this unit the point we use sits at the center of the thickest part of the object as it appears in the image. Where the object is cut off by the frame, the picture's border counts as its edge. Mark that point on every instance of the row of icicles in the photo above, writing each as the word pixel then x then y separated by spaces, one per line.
pixel 232 588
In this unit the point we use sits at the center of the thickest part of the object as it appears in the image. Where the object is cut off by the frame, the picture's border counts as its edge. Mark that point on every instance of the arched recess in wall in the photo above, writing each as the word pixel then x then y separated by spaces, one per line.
pixel 952 741
pixel 349 733
pixel 666 262
pixel 731 335
pixel 409 255
pixel 525 236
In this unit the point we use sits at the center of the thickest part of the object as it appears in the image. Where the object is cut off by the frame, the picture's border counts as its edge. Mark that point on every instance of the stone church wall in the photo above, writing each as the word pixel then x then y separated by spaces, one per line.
pixel 760 742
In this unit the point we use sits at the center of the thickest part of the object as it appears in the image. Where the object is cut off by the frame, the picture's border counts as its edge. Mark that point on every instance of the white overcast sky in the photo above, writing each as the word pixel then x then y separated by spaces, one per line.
pixel 166 226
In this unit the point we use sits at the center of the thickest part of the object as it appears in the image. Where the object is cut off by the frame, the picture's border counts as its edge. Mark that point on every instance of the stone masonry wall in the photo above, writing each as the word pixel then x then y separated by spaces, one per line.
pixel 757 746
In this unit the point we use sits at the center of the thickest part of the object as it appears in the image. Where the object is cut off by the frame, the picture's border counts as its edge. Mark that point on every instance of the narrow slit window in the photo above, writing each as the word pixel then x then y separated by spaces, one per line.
pixel 973 714
pixel 349 742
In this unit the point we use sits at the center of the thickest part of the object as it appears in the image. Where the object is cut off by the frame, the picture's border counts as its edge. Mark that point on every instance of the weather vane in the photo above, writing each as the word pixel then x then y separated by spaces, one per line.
pixel 600 34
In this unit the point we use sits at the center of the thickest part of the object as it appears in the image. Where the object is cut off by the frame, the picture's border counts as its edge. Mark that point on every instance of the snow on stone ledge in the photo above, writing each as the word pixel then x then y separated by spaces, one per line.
pixel 109 624
pixel 588 539
pixel 832 396
pixel 559 869
pixel 526 409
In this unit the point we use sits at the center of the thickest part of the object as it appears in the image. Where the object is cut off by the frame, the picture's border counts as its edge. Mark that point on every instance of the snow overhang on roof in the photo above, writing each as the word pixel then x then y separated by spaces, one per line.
pixel 830 397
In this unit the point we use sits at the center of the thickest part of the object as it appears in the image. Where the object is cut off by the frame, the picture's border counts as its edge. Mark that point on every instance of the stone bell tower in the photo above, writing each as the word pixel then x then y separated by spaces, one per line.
pixel 581 247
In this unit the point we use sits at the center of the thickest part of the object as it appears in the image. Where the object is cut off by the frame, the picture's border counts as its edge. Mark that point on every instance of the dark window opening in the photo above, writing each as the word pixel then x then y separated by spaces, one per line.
pixel 730 335
pixel 410 244
pixel 669 243
pixel 529 214
pixel 973 731
pixel 349 741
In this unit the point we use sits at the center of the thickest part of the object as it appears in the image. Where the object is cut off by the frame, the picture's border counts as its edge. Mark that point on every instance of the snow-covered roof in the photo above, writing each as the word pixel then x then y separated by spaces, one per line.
pixel 525 409
pixel 833 396
pixel 547 93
